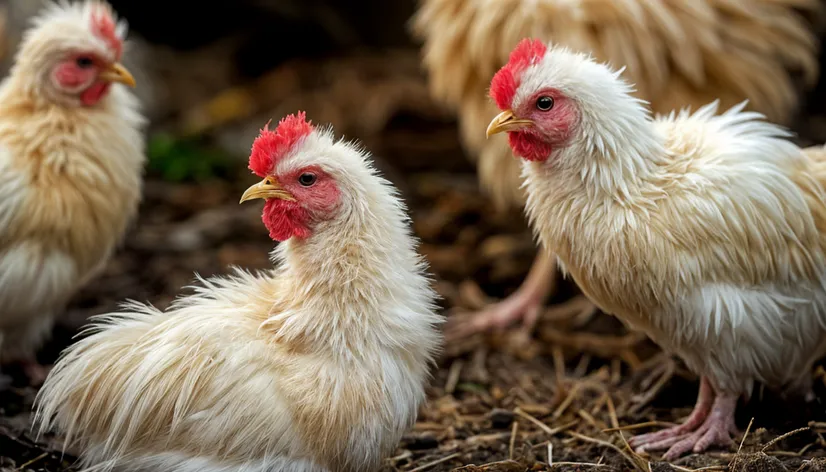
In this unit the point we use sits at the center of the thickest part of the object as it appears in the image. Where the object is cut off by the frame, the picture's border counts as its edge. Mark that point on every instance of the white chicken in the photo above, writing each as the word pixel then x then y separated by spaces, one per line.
pixel 317 365
pixel 705 231
pixel 678 53
pixel 71 162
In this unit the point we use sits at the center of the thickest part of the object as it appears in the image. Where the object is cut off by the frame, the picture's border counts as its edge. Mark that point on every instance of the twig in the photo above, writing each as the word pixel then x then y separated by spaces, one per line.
pixel 580 464
pixel 549 431
pixel 612 412
pixel 637 426
pixel 748 428
pixel 806 448
pixel 436 462
pixel 641 462
pixel 655 389
pixel 616 371
pixel 582 366
pixel 590 419
pixel 782 437
pixel 599 404
pixel 567 402
pixel 41 456
pixel 453 376
pixel 514 430
pixel 482 438
pixel 559 364
pixel 710 467
pixel 606 444
pixel 404 455
pixel 594 344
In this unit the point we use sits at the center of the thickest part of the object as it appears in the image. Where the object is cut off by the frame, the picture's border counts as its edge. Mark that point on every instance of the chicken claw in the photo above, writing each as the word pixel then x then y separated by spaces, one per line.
pixel 705 398
pixel 711 423
pixel 525 304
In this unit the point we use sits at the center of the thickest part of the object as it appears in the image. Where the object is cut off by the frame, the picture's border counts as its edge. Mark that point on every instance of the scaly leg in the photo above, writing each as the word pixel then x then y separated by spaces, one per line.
pixel 705 399
pixel 525 304
pixel 716 429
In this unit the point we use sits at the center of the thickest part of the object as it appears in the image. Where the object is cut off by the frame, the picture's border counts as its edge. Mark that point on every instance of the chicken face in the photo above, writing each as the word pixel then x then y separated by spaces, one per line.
pixel 537 125
pixel 88 76
pixel 537 117
pixel 74 54
pixel 298 192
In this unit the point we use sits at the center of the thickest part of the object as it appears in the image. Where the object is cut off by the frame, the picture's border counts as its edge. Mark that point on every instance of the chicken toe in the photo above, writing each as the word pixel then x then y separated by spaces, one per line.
pixel 717 430
pixel 668 437
pixel 525 304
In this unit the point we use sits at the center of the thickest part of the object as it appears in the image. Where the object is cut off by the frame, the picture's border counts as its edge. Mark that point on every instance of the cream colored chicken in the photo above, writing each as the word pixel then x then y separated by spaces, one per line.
pixel 706 231
pixel 71 160
pixel 678 53
pixel 316 365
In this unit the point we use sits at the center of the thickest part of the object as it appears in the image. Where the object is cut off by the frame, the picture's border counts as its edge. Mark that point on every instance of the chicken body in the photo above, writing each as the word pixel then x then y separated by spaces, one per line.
pixel 683 53
pixel 317 365
pixel 706 231
pixel 70 179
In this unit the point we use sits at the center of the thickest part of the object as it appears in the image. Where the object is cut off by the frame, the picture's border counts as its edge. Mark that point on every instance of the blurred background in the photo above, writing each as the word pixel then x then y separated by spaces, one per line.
pixel 211 75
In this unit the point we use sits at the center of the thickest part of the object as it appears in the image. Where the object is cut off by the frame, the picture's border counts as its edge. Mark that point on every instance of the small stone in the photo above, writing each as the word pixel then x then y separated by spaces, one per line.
pixel 420 442
pixel 501 419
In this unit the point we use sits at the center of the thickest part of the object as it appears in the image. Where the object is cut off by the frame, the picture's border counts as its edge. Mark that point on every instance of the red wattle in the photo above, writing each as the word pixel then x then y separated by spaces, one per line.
pixel 528 146
pixel 285 220
pixel 94 93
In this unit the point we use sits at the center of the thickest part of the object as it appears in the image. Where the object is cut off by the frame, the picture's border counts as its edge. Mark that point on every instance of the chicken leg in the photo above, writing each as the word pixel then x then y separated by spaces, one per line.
pixel 524 304
pixel 710 423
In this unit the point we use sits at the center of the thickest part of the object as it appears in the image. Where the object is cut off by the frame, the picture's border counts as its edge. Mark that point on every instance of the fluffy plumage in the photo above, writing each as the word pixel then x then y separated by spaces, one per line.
pixel 706 231
pixel 70 177
pixel 679 53
pixel 316 365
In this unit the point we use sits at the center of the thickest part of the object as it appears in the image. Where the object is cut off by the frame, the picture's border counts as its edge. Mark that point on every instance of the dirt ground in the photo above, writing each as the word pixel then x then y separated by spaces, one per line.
pixel 556 398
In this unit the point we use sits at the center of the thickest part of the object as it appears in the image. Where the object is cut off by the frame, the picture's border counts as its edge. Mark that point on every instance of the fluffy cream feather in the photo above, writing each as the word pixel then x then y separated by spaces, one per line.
pixel 317 365
pixel 706 231
pixel 684 53
pixel 70 181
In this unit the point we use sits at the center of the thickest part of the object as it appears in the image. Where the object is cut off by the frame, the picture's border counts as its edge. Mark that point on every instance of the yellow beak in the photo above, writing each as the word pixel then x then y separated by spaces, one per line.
pixel 267 188
pixel 117 73
pixel 505 121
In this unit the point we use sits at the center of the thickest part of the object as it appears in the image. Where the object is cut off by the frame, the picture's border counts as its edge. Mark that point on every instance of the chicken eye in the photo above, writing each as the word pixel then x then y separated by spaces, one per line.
pixel 306 179
pixel 84 62
pixel 544 103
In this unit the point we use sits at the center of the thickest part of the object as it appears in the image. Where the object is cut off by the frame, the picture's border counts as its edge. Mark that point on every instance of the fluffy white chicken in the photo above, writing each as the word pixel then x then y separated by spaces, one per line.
pixel 678 53
pixel 706 231
pixel 317 365
pixel 71 162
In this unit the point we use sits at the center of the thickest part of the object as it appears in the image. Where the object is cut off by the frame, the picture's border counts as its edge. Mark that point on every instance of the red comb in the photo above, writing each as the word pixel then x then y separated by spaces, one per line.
pixel 504 84
pixel 270 146
pixel 103 26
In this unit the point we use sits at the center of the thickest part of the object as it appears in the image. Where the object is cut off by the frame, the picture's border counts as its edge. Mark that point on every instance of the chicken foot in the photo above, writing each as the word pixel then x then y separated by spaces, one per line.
pixel 525 304
pixel 710 423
